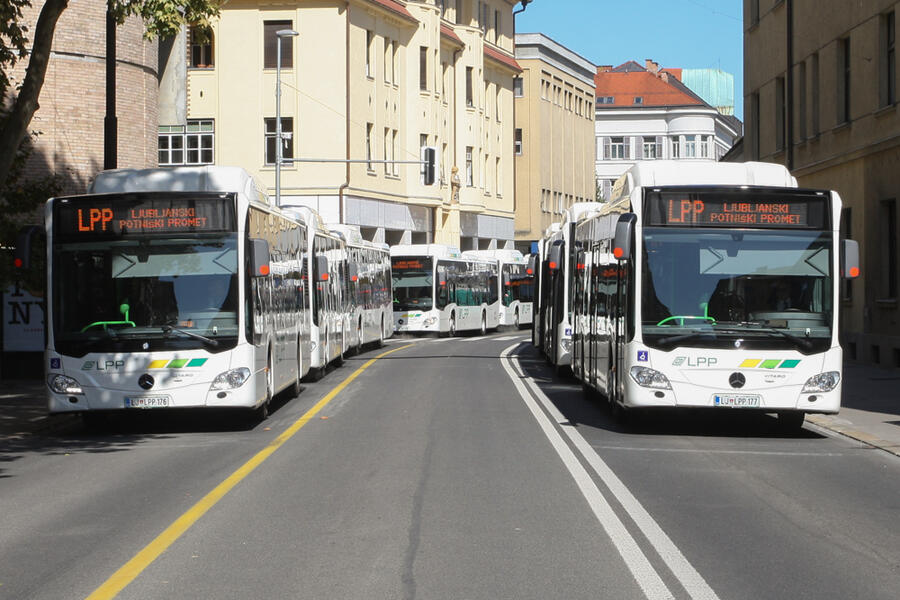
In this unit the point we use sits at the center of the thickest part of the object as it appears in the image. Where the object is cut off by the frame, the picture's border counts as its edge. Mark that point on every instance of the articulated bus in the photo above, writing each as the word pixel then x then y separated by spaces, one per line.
pixel 712 285
pixel 172 288
pixel 369 313
pixel 557 268
pixel 516 285
pixel 437 290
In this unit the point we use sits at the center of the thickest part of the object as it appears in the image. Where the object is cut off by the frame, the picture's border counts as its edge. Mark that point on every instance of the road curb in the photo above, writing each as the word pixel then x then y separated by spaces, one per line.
pixel 828 422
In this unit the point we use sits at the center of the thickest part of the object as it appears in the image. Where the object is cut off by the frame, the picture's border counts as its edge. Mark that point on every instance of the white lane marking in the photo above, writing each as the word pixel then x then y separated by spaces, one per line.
pixel 706 451
pixel 692 581
pixel 643 572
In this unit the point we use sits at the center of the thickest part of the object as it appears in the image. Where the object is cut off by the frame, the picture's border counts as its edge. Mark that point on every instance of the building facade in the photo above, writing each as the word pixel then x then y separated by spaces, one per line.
pixel 367 81
pixel 554 134
pixel 821 98
pixel 645 113
pixel 70 120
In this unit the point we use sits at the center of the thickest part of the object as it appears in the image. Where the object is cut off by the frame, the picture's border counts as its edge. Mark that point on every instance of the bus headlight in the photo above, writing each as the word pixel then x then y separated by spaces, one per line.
pixel 230 380
pixel 64 385
pixel 429 321
pixel 823 382
pixel 650 378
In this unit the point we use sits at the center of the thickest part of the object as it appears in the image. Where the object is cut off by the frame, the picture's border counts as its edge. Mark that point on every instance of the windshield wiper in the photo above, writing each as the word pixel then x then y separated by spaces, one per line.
pixel 757 326
pixel 169 329
pixel 683 337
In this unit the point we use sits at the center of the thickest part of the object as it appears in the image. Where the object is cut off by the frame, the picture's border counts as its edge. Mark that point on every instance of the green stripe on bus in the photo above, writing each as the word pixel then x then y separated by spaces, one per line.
pixel 178 363
pixel 789 364
pixel 199 362
pixel 769 364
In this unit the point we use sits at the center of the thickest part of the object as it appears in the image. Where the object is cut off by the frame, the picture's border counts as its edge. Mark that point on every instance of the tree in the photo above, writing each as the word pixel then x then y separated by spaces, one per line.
pixel 162 18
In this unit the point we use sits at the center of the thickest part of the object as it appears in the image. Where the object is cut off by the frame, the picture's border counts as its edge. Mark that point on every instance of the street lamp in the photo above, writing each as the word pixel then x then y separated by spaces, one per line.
pixel 281 34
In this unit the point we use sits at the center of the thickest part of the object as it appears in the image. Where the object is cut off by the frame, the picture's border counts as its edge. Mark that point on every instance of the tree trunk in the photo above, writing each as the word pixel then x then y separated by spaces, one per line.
pixel 26 102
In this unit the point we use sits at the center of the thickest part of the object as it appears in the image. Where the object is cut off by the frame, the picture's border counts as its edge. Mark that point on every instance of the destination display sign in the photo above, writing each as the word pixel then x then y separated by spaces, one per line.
pixel 111 216
pixel 410 264
pixel 742 209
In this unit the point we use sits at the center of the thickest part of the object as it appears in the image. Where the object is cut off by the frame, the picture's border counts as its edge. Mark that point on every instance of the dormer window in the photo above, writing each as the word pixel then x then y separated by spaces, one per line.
pixel 638 99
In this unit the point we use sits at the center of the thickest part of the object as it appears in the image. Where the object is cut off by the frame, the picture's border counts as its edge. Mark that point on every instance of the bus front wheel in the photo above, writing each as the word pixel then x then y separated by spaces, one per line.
pixel 453 325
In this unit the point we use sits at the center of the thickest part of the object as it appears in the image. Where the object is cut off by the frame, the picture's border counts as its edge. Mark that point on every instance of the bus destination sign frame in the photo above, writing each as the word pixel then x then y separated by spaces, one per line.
pixel 745 208
pixel 117 216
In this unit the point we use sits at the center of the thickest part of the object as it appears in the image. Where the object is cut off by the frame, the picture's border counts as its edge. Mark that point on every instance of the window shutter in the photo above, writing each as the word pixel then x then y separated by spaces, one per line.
pixel 638 148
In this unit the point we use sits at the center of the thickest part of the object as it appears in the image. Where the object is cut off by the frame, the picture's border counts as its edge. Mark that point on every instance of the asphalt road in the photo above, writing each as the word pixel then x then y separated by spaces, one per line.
pixel 447 469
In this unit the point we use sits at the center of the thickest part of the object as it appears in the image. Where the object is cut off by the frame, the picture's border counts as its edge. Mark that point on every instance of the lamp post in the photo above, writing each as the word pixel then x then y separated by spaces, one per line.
pixel 280 34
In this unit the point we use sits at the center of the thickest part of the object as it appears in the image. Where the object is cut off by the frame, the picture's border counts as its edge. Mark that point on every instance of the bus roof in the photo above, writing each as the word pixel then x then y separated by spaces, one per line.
pixel 678 172
pixel 353 236
pixel 179 179
pixel 436 250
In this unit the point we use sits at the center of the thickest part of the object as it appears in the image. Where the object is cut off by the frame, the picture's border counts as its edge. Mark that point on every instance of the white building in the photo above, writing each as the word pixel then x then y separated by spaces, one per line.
pixel 644 113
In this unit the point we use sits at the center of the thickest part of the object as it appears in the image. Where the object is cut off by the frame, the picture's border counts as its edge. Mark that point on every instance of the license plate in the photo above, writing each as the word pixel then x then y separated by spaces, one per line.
pixel 738 401
pixel 147 402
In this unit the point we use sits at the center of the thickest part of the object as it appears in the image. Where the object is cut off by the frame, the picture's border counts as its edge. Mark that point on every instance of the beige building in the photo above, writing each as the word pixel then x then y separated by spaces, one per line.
pixel 821 98
pixel 367 81
pixel 554 140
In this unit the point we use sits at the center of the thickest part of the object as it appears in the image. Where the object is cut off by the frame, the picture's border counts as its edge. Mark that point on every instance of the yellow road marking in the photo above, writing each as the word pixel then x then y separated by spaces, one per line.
pixel 143 559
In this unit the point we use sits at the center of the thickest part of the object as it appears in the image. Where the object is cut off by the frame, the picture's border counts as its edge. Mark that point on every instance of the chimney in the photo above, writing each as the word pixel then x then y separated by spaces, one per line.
pixel 664 76
pixel 604 68
pixel 651 66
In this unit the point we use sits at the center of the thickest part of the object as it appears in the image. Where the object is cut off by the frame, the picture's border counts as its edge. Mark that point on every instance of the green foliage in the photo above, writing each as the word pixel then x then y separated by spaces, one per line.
pixel 13 40
pixel 163 18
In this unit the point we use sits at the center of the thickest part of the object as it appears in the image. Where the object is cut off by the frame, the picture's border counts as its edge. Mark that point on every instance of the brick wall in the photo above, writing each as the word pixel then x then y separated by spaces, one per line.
pixel 73 100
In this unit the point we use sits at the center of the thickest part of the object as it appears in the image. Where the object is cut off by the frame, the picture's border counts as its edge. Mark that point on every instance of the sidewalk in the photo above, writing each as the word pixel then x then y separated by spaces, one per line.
pixel 870 410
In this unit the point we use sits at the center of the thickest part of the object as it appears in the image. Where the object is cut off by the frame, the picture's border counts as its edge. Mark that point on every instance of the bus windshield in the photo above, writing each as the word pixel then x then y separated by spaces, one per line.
pixel 767 289
pixel 132 294
pixel 413 283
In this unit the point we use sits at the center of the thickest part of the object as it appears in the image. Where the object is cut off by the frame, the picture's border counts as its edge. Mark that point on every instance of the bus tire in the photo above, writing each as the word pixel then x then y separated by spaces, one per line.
pixel 261 413
pixel 452 325
pixel 298 387
pixel 381 334
pixel 517 326
pixel 359 336
pixel 483 323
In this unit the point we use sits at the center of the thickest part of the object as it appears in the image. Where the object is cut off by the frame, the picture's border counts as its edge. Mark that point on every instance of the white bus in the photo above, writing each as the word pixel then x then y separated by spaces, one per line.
pixel 436 290
pixel 367 288
pixel 712 285
pixel 173 288
pixel 327 266
pixel 557 271
pixel 516 285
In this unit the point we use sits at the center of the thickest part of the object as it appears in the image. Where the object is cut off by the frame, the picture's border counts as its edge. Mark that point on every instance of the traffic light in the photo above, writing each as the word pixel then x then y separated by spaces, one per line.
pixel 429 155
pixel 22 255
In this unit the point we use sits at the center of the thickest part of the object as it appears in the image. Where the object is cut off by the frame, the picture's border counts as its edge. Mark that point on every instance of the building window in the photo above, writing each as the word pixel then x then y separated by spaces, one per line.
pixel 888 225
pixel 888 60
pixel 780 108
pixel 388 71
pixel 615 148
pixel 395 52
pixel 690 146
pixel 370 128
pixel 423 68
pixel 287 137
pixel 843 115
pixel 652 148
pixel 517 144
pixel 270 45
pixel 190 145
pixel 470 102
pixel 470 179
pixel 387 150
pixel 370 49
pixel 638 99
pixel 201 47
pixel 676 147
pixel 705 144
pixel 395 168
pixel 801 101
pixel 486 176
pixel 606 100
pixel 814 93
pixel 497 27
pixel 499 178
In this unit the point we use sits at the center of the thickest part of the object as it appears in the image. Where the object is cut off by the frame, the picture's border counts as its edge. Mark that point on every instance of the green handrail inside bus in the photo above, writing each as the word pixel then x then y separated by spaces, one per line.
pixel 681 319
pixel 124 309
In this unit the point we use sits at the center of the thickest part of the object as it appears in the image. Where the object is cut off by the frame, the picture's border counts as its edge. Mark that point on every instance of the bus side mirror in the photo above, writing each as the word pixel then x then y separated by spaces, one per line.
pixel 530 268
pixel 555 257
pixel 849 259
pixel 353 272
pixel 322 268
pixel 623 243
pixel 259 258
